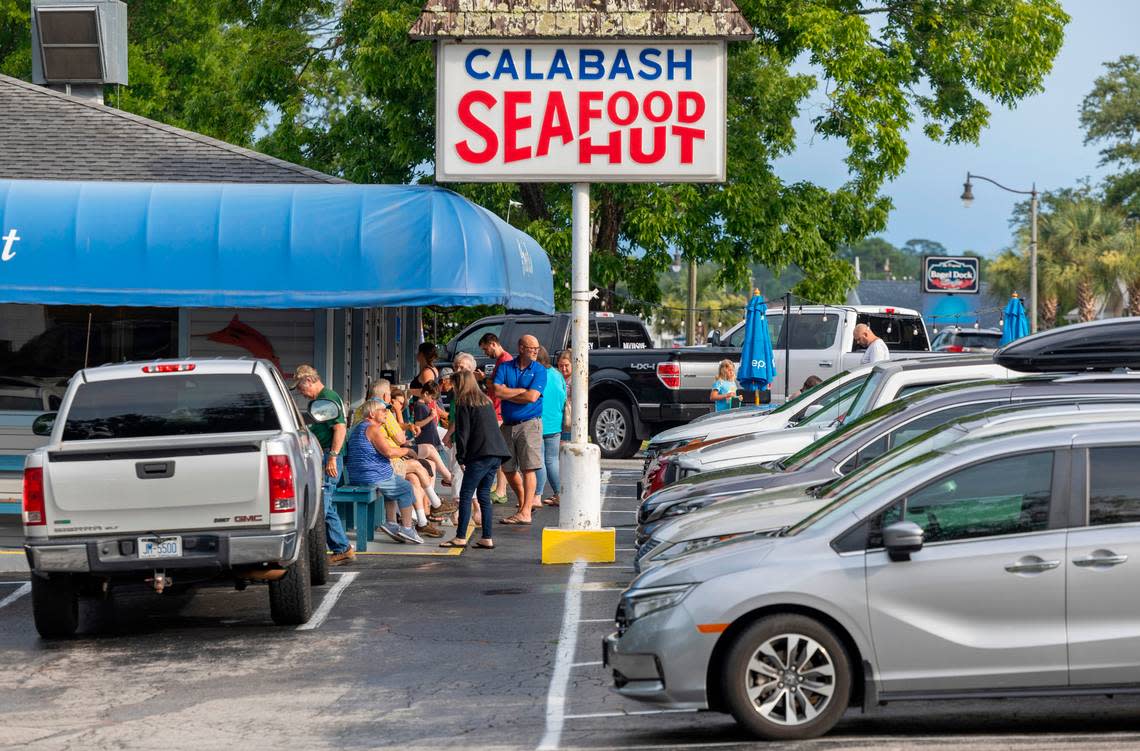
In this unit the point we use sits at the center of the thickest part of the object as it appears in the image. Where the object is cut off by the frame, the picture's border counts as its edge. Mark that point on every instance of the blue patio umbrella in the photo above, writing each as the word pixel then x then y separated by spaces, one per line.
pixel 756 367
pixel 1015 323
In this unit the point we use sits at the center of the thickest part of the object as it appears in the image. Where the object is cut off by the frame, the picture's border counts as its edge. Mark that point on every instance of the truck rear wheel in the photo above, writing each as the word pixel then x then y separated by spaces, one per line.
pixel 611 427
pixel 318 553
pixel 55 605
pixel 291 596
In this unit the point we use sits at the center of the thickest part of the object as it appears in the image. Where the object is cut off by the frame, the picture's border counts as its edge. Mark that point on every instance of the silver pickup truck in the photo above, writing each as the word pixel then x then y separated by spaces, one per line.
pixel 170 474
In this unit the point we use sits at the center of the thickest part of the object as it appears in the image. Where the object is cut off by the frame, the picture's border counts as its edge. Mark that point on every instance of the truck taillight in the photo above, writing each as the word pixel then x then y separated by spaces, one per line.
pixel 669 373
pixel 282 498
pixel 34 497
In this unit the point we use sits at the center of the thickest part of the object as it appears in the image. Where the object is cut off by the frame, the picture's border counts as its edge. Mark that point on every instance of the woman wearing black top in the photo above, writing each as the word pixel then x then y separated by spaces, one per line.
pixel 480 449
pixel 426 356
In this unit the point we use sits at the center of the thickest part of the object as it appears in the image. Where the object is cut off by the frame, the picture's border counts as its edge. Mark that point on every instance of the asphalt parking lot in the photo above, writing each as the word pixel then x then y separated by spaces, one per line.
pixel 488 649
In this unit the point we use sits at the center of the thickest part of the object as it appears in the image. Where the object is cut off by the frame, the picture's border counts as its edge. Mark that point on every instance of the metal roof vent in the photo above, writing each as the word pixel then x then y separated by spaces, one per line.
pixel 78 47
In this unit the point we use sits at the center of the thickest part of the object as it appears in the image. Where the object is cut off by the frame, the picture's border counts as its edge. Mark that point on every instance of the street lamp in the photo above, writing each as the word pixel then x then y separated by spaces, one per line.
pixel 510 205
pixel 968 198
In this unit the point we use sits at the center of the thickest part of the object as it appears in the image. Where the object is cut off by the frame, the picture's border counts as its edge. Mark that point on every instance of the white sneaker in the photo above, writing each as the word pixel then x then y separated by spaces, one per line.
pixel 407 534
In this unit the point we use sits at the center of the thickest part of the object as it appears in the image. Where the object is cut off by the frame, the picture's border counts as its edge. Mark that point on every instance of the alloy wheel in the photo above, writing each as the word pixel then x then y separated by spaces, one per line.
pixel 790 679
pixel 610 429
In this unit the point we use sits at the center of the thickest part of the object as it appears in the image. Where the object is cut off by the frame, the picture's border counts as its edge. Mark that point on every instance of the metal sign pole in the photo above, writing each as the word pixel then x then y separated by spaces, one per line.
pixel 580 460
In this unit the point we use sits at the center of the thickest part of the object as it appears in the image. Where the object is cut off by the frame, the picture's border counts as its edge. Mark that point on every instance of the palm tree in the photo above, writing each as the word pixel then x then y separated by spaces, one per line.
pixel 1073 238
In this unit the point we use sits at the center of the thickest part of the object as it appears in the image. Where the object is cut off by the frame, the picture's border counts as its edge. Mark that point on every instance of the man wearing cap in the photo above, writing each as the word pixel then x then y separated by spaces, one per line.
pixel 331 436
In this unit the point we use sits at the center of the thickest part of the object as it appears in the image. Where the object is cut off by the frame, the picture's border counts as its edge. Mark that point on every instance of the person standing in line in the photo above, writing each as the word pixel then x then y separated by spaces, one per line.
pixel 426 414
pixel 553 409
pixel 493 348
pixel 876 348
pixel 566 367
pixel 480 449
pixel 330 435
pixel 463 361
pixel 426 356
pixel 519 385
pixel 369 463
pixel 724 389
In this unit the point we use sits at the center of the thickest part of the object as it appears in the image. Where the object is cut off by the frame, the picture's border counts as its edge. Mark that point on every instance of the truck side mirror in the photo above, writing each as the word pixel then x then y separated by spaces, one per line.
pixel 44 424
pixel 714 338
pixel 901 539
pixel 322 410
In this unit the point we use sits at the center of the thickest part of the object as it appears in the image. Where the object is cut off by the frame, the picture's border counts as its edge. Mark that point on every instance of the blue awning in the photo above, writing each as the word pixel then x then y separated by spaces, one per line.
pixel 261 246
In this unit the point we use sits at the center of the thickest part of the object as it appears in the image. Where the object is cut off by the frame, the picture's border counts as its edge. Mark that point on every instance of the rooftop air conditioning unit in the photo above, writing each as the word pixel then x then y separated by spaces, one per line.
pixel 79 42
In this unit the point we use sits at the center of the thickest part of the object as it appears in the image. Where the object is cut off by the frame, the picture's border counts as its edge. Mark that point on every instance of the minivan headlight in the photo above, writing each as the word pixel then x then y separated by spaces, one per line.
pixel 687 507
pixel 638 603
pixel 692 546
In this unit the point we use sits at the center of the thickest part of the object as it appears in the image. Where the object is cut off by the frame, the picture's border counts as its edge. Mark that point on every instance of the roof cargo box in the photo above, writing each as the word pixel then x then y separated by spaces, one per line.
pixel 1097 345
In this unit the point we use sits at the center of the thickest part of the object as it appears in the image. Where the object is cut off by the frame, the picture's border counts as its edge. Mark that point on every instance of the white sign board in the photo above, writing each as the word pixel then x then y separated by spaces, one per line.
pixel 536 111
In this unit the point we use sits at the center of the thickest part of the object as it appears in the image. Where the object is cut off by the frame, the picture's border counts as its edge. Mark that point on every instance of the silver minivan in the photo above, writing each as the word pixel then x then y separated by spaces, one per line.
pixel 989 567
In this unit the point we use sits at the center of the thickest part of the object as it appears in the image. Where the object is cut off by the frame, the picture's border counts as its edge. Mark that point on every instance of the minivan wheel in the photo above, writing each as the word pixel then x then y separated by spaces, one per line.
pixel 318 553
pixel 787 677
pixel 55 605
pixel 611 427
pixel 290 597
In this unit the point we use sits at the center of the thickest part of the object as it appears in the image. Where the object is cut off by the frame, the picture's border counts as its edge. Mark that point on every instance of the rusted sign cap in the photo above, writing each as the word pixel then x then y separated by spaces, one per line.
pixel 582 19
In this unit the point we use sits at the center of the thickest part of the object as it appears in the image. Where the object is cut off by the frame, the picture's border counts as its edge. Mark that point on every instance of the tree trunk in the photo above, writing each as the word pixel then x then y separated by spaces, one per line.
pixel 1134 297
pixel 534 201
pixel 607 228
pixel 1086 300
pixel 1049 305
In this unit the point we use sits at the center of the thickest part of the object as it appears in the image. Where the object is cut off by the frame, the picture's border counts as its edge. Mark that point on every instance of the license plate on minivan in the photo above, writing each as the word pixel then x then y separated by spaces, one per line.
pixel 160 547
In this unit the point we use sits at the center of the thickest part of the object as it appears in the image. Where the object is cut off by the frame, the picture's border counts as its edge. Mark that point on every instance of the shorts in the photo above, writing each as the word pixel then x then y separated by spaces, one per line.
pixel 397 489
pixel 524 441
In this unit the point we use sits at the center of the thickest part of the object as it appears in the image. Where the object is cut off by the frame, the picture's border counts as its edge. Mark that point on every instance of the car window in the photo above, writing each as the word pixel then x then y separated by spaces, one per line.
pixel 1114 495
pixel 902 333
pixel 593 335
pixel 999 497
pixel 835 406
pixel 170 405
pixel 21 403
pixel 539 328
pixel 808 331
pixel 867 454
pixel 633 335
pixel 917 427
pixel 468 341
pixel 607 335
pixel 916 387
pixel 736 338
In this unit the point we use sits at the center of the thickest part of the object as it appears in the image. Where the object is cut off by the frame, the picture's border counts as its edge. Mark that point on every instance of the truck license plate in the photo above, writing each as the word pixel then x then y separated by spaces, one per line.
pixel 160 547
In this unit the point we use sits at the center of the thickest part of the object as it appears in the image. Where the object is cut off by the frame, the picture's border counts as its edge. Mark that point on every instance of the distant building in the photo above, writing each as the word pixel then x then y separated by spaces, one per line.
pixel 938 309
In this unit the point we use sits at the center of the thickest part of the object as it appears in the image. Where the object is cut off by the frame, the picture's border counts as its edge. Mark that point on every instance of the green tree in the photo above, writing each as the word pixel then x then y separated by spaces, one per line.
pixel 219 67
pixel 1110 115
pixel 882 65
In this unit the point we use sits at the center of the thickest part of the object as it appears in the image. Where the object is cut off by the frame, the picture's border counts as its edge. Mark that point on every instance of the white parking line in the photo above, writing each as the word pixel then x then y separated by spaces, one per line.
pixel 23 590
pixel 585 664
pixel 331 597
pixel 596 620
pixel 567 645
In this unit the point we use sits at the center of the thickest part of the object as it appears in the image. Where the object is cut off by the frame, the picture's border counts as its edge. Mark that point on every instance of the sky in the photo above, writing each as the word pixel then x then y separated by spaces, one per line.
pixel 1040 141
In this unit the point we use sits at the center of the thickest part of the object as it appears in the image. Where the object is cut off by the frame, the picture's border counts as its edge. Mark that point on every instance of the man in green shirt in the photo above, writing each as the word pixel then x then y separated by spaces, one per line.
pixel 331 436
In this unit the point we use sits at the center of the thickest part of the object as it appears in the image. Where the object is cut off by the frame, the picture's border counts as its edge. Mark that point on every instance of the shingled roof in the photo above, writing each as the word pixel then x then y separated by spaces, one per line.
pixel 46 135
pixel 567 19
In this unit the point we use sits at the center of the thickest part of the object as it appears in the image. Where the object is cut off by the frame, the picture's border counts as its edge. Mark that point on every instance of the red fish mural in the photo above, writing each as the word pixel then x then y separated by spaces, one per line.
pixel 239 334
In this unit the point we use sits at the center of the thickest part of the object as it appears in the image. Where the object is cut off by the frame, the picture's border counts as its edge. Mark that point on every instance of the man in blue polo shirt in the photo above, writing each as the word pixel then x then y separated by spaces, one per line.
pixel 519 384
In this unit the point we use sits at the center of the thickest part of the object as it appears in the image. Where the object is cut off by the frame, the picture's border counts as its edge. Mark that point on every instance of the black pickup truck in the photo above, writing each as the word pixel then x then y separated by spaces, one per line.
pixel 635 390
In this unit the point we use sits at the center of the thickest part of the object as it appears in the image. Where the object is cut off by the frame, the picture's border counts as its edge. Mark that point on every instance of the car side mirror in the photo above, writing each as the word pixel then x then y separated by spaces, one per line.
pixel 714 338
pixel 901 539
pixel 44 424
pixel 322 410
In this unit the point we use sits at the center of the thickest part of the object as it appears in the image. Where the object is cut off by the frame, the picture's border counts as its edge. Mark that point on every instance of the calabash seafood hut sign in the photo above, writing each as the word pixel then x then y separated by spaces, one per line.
pixel 543 111
pixel 952 275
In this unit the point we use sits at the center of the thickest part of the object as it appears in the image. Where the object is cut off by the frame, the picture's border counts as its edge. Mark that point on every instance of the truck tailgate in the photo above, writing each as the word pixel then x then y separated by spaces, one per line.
pixel 219 484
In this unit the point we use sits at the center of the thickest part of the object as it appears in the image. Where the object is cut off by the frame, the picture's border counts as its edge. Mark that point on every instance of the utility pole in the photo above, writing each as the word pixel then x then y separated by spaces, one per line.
pixel 691 313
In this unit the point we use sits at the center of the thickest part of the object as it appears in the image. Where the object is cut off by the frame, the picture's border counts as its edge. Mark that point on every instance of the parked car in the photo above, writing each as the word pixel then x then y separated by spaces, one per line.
pixel 172 473
pixel 987 566
pixel 865 440
pixel 888 381
pixel 821 342
pixel 963 339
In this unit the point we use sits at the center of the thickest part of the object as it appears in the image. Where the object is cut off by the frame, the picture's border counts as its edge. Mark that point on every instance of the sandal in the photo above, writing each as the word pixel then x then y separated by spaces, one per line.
pixel 454 542
pixel 484 547
pixel 514 520
pixel 550 502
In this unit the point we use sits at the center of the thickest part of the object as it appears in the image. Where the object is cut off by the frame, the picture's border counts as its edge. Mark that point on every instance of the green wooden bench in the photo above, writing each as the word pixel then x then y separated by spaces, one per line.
pixel 357 506
pixel 11 465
